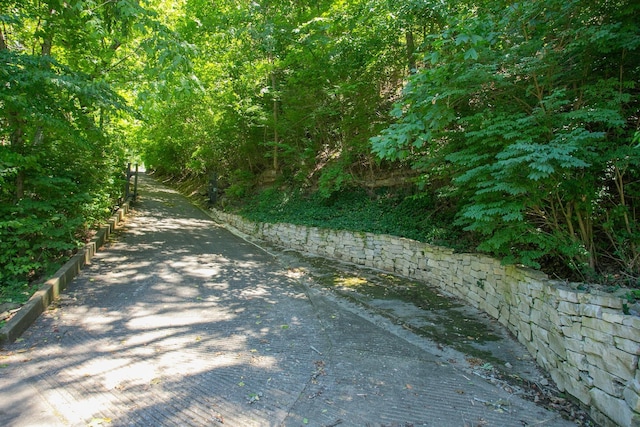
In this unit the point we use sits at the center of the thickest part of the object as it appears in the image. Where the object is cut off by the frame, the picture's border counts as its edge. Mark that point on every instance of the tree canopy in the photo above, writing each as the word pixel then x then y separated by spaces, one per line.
pixel 520 120
pixel 65 73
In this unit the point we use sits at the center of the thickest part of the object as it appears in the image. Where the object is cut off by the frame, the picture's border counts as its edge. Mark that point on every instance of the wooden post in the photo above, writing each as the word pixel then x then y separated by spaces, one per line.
pixel 135 184
pixel 126 185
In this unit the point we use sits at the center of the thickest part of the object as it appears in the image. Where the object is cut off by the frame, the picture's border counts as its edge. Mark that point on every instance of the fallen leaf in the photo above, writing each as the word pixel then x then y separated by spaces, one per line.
pixel 96 422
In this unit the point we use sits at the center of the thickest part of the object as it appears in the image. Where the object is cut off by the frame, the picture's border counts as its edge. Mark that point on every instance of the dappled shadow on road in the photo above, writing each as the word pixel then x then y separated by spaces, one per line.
pixel 170 327
pixel 178 322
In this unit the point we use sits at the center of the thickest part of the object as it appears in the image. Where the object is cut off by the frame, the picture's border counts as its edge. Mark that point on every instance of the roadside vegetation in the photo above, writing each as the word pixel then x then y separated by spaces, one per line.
pixel 385 211
pixel 514 125
pixel 65 105
pixel 503 127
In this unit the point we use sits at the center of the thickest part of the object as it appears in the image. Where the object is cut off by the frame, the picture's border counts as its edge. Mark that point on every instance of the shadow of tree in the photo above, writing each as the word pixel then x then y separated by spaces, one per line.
pixel 179 322
pixel 168 326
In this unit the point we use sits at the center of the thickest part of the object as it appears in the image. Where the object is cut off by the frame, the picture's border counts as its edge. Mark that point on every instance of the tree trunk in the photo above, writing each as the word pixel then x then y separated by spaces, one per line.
pixel 3 43
pixel 17 145
pixel 275 123
pixel 411 50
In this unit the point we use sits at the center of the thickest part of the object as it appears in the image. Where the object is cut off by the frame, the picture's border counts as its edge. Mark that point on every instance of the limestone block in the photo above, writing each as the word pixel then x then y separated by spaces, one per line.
pixel 539 318
pixel 536 286
pixel 532 347
pixel 599 325
pixel 493 301
pixel 524 307
pixel 492 311
pixel 611 359
pixel 566 307
pixel 627 345
pixel 561 378
pixel 546 358
pixel 614 408
pixel 580 391
pixel 505 310
pixel 525 330
pixel 607 382
pixel 575 345
pixel 627 332
pixel 591 310
pixel 478 274
pixel 539 304
pixel 557 344
pixel 486 264
pixel 489 287
pixel 632 395
pixel 535 294
pixel 602 337
pixel 573 330
pixel 472 297
pixel 567 295
pixel 554 318
pixel 539 334
pixel 577 360
pixel 433 263
pixel 566 320
pixel 633 322
pixel 504 320
pixel 608 301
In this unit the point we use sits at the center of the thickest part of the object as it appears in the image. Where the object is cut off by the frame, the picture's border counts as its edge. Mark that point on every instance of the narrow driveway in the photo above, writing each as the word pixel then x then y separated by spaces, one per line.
pixel 180 323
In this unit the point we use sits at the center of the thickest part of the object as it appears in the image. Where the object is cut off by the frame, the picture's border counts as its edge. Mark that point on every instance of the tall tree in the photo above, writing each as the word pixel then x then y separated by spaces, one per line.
pixel 60 151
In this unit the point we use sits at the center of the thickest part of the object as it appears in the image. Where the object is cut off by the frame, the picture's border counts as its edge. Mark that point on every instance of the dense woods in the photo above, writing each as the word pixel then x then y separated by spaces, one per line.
pixel 517 122
pixel 66 99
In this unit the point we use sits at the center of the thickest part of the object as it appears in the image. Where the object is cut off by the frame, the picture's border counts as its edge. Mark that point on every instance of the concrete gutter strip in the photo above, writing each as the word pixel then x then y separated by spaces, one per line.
pixel 52 288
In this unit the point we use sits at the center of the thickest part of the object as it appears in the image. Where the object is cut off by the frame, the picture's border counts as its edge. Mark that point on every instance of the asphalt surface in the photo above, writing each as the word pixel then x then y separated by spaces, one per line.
pixel 178 322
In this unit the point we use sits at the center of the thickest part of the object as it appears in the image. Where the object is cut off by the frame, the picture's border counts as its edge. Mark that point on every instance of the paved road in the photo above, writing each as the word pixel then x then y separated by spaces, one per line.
pixel 180 323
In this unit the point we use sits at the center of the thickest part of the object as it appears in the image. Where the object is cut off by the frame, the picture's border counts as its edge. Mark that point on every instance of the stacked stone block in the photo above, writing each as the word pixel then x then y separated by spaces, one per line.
pixel 584 340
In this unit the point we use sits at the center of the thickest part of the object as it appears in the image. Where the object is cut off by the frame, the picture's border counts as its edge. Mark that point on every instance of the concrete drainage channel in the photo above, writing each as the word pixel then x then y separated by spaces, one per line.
pixel 51 289
pixel 442 325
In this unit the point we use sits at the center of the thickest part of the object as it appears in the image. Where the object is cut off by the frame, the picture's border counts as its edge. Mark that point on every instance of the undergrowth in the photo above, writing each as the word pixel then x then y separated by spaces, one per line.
pixel 383 211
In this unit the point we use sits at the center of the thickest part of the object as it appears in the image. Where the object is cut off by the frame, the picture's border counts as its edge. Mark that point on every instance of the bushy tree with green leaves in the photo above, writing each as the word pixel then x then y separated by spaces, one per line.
pixel 291 89
pixel 61 152
pixel 529 110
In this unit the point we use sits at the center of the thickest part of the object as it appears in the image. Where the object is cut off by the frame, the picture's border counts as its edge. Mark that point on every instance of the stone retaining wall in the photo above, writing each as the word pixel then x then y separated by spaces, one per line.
pixel 582 339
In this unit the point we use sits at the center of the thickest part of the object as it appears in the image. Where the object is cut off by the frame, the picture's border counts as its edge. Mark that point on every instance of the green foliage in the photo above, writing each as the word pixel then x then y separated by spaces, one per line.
pixel 383 212
pixel 520 117
pixel 62 153
pixel 530 110
pixel 292 90
pixel 333 179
